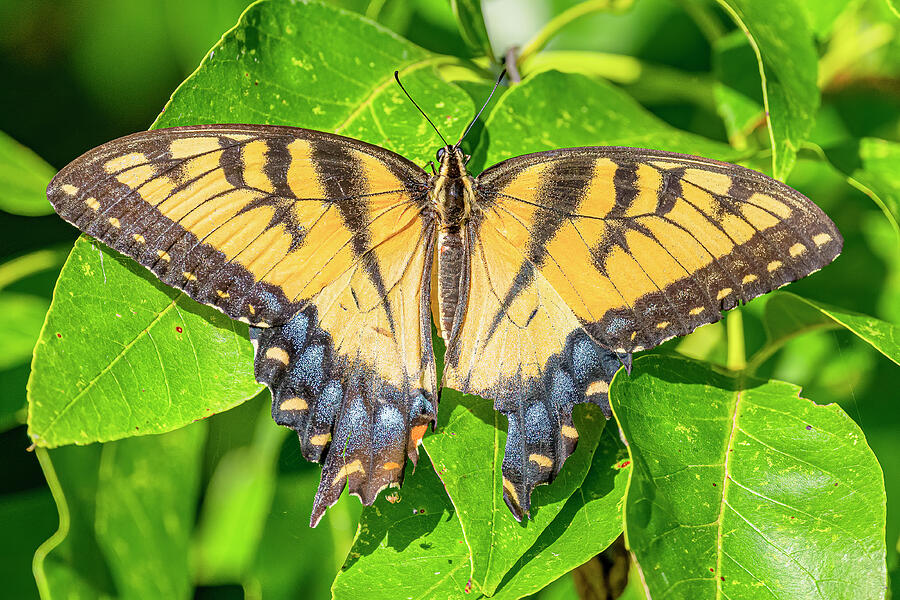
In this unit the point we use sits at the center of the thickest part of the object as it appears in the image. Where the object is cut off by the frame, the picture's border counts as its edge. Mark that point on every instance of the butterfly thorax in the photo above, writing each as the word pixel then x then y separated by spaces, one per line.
pixel 453 197
pixel 451 189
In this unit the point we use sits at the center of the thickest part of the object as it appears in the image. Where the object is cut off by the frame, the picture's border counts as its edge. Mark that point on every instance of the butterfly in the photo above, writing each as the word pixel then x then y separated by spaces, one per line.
pixel 543 274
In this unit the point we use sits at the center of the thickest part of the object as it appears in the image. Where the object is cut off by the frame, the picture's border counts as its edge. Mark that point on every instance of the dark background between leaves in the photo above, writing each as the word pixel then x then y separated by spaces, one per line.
pixel 77 74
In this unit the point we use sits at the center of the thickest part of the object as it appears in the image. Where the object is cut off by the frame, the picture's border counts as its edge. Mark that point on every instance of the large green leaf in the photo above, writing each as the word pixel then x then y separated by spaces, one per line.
pixel 286 63
pixel 871 165
pixel 467 453
pixel 788 315
pixel 783 42
pixel 742 489
pixel 126 510
pixel 589 522
pixel 409 545
pixel 535 116
pixel 23 179
pixel 147 358
pixel 124 355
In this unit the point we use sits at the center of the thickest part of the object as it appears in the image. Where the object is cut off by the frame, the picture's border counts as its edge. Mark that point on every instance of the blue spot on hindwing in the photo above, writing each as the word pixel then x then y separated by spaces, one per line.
pixel 537 423
pixel 388 428
pixel 295 329
pixel 307 369
pixel 562 389
pixel 359 424
pixel 268 301
pixel 420 405
pixel 585 358
pixel 513 442
pixel 328 402
pixel 616 325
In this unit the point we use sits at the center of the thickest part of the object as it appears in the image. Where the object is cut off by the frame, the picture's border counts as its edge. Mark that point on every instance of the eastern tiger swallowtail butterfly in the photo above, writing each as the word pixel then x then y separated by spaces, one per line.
pixel 543 274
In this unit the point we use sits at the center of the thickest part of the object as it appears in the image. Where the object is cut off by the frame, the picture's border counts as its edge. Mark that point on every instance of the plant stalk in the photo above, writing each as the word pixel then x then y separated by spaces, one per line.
pixel 557 23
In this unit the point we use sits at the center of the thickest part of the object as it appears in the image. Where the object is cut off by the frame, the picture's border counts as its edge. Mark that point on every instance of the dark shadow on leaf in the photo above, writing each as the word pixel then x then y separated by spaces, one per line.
pixel 404 516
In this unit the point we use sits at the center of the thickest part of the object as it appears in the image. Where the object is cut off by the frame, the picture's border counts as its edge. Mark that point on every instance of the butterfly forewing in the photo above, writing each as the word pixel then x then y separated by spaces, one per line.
pixel 585 253
pixel 319 242
pixel 574 259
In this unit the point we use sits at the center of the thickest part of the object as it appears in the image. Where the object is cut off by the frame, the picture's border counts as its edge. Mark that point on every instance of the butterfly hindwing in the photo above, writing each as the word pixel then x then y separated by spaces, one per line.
pixel 319 242
pixel 612 250
pixel 574 259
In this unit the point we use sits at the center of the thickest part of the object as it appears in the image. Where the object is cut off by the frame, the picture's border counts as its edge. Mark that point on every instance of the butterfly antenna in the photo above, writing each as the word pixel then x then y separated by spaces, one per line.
pixel 397 77
pixel 486 102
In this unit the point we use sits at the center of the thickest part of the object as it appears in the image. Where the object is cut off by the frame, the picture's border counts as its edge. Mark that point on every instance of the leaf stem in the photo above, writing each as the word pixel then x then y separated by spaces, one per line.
pixel 558 22
pixel 647 82
pixel 51 543
pixel 734 328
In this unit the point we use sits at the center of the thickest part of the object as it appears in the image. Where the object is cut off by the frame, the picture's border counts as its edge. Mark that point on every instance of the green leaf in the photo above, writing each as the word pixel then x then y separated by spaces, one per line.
pixel 742 489
pixel 823 13
pixel 21 317
pixel 471 26
pixel 237 501
pixel 787 316
pixel 783 42
pixel 126 510
pixel 23 180
pixel 111 343
pixel 467 452
pixel 30 264
pixel 284 568
pixel 648 83
pixel 121 354
pixel 871 165
pixel 739 99
pixel 535 116
pixel 409 540
pixel 589 522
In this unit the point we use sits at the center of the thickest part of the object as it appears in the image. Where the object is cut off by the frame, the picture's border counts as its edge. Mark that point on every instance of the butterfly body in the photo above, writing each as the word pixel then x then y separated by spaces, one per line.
pixel 543 274
pixel 452 193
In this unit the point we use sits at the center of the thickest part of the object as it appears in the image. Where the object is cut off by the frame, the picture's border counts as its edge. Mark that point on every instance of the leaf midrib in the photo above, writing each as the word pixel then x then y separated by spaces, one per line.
pixel 729 447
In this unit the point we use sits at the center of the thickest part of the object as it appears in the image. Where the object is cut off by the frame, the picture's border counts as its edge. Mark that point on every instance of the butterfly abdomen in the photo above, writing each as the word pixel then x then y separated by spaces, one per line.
pixel 451 255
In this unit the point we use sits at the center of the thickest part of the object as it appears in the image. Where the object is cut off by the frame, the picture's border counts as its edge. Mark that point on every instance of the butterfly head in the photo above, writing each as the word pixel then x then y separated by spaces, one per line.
pixel 452 161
